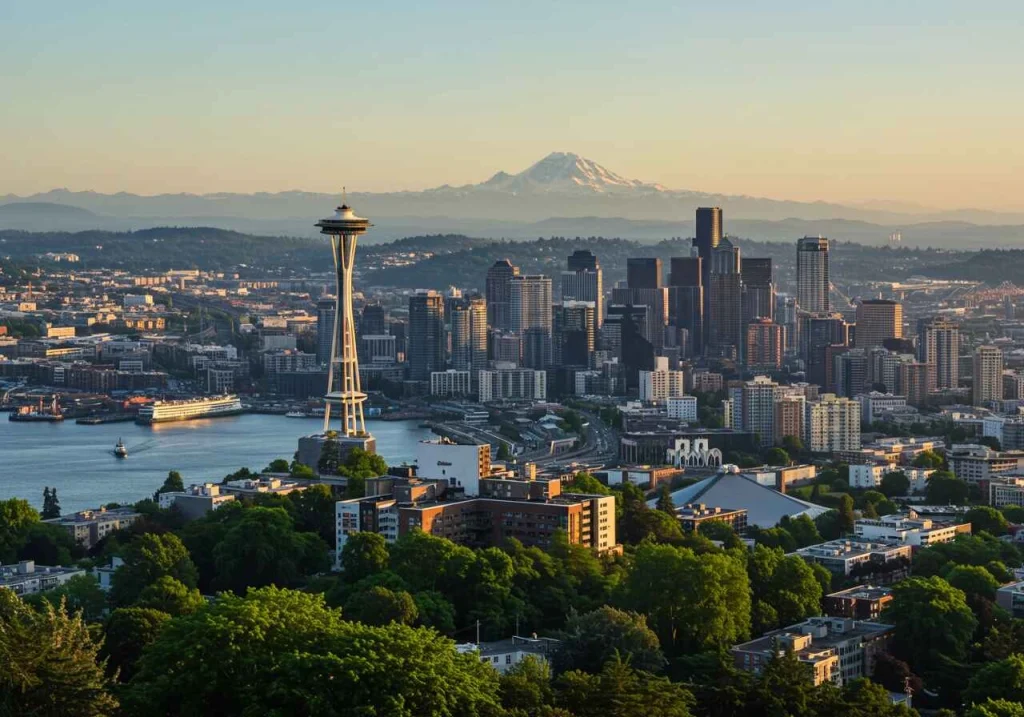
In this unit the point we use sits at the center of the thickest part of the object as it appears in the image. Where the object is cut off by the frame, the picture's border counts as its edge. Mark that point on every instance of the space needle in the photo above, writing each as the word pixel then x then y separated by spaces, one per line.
pixel 343 389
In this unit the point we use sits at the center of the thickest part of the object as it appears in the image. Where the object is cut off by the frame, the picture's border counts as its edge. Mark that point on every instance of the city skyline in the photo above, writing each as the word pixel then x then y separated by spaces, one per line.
pixel 847 109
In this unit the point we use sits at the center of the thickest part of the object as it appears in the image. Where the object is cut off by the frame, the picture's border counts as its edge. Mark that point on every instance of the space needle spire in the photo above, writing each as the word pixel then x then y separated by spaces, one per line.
pixel 343 229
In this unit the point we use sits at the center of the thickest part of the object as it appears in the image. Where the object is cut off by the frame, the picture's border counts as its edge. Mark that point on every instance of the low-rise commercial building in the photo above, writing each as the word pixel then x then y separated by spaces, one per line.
pixel 1011 598
pixel 1006 490
pixel 835 650
pixel 88 527
pixel 503 655
pixel 196 500
pixel 978 464
pixel 682 408
pixel 908 529
pixel 863 602
pixel 692 515
pixel 860 558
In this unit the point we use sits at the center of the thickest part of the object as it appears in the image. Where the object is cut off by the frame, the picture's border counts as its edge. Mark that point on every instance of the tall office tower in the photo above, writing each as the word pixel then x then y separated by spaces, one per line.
pixel 584 281
pixel 343 389
pixel 878 320
pixel 708 235
pixel 914 380
pixel 644 288
pixel 574 333
pixel 426 341
pixel 817 334
pixel 325 311
pixel 725 332
pixel 764 345
pixel 988 374
pixel 530 317
pixel 758 289
pixel 686 300
pixel 787 313
pixel 469 335
pixel 812 276
pixel 498 294
pixel 850 371
pixel 624 338
pixel 939 346
pixel 373 321
pixel 643 273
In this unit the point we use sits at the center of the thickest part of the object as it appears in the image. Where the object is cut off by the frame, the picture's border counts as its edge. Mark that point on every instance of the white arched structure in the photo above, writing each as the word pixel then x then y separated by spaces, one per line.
pixel 693 453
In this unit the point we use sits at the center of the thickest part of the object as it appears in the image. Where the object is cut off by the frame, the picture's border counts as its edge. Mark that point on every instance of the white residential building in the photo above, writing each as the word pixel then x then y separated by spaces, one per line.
pixel 870 475
pixel 450 383
pixel 683 408
pixel 27 578
pixel 833 424
pixel 661 383
pixel 517 384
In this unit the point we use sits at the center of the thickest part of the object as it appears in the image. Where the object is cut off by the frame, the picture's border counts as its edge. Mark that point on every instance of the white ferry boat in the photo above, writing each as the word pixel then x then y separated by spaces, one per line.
pixel 167 411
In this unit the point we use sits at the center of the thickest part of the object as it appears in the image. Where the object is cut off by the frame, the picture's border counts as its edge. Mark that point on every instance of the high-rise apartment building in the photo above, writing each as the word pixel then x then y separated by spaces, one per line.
pixel 939 346
pixel 584 281
pixel 789 417
pixel 817 333
pixel 426 341
pixel 914 380
pixel 812 275
pixel 878 320
pixel 530 314
pixel 988 375
pixel 725 332
pixel 498 294
pixel 832 424
pixel 686 300
pixel 662 383
pixel 469 335
pixel 754 408
pixel 764 345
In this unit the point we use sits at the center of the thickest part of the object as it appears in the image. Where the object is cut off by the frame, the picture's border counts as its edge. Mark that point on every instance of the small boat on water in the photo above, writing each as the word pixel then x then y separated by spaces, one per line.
pixel 120 450
pixel 296 414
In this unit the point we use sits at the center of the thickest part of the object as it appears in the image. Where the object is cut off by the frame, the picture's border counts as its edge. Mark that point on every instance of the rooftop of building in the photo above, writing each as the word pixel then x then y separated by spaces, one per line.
pixel 825 632
pixel 765 506
pixel 846 548
pixel 28 568
pixel 862 592
pixel 89 516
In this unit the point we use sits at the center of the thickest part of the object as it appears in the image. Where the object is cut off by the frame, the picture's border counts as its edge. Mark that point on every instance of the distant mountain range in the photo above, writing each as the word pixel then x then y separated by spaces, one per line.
pixel 562 194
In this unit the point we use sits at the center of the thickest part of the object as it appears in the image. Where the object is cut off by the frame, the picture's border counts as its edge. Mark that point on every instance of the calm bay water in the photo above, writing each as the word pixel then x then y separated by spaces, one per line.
pixel 79 461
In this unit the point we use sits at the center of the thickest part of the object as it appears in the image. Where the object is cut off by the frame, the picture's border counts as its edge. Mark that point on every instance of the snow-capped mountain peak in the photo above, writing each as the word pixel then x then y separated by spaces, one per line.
pixel 566 172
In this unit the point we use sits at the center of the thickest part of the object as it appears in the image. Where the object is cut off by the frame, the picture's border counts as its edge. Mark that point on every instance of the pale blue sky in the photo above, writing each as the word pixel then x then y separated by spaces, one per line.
pixel 845 101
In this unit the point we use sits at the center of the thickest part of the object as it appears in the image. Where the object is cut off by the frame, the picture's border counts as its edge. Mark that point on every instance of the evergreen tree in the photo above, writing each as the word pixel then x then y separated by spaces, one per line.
pixel 665 503
pixel 51 505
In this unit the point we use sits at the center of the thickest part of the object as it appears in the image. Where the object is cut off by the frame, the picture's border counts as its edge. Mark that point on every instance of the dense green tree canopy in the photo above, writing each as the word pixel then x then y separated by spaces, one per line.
pixel 894 483
pixel 987 519
pixel 998 680
pixel 944 488
pixel 263 548
pixel 379 606
pixel 590 639
pixel 275 649
pixel 48 663
pixel 129 630
pixel 692 601
pixel 171 596
pixel 363 554
pixel 148 558
pixel 620 691
pixel 933 622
